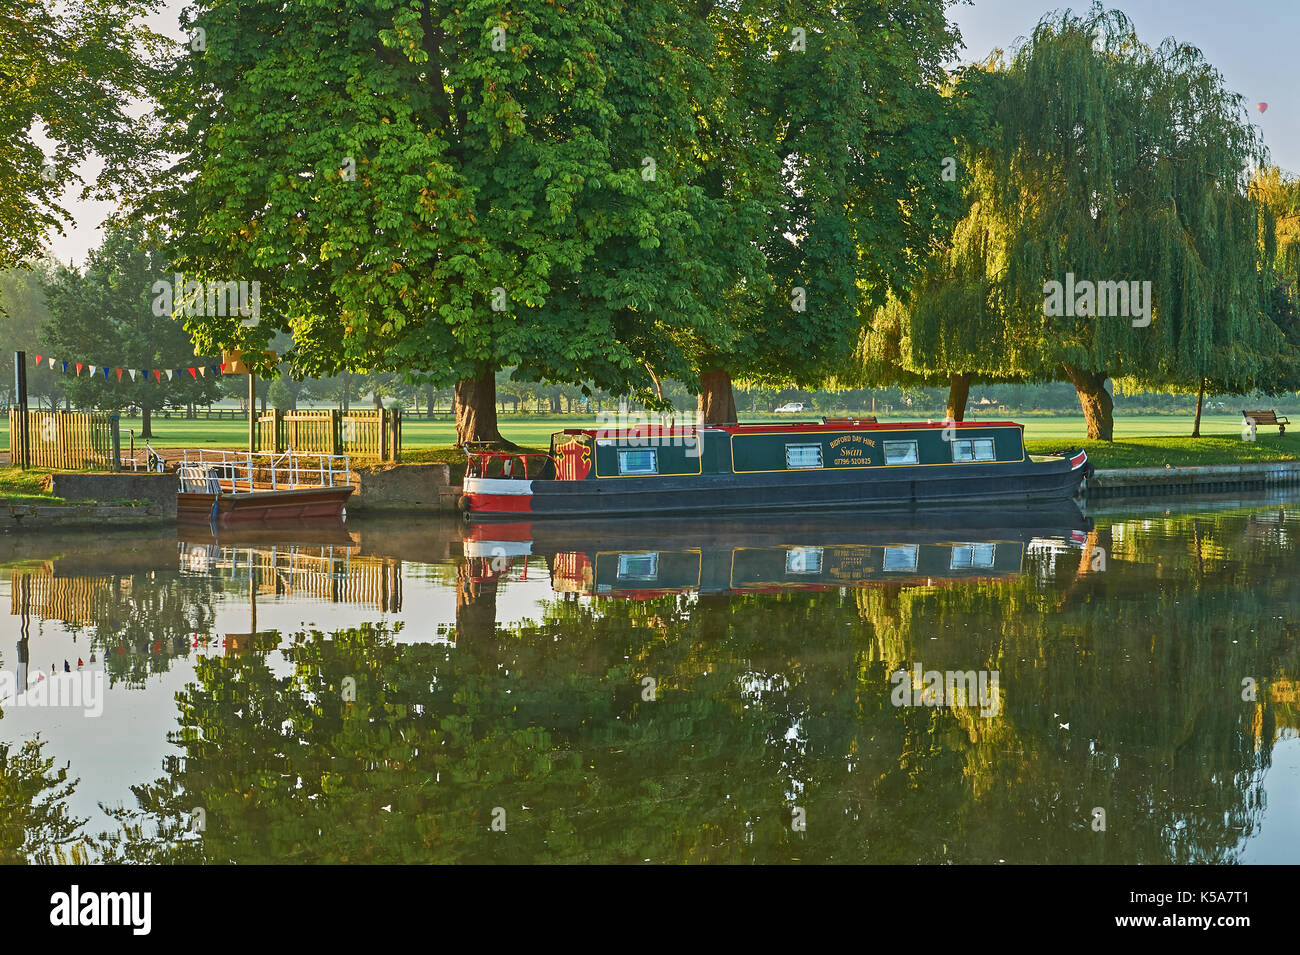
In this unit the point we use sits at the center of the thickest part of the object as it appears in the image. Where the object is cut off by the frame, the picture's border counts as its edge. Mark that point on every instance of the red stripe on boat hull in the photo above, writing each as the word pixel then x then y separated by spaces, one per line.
pixel 498 503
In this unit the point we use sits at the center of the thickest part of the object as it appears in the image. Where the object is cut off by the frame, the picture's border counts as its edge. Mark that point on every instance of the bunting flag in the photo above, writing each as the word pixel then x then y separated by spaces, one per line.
pixel 156 374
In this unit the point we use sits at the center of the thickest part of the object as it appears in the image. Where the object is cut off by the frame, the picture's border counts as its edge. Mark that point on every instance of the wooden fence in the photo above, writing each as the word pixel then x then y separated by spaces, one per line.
pixel 66 440
pixel 363 435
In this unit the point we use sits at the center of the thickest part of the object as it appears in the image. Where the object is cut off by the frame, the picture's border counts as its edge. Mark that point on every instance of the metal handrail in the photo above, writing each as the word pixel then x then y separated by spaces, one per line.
pixel 288 469
pixel 479 460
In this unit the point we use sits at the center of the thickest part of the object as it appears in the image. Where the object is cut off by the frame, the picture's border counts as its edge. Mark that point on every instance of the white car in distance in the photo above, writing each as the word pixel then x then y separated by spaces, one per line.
pixel 790 407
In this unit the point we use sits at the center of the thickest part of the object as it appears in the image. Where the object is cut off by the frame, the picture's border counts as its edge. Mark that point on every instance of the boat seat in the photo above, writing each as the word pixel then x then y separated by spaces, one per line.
pixel 198 479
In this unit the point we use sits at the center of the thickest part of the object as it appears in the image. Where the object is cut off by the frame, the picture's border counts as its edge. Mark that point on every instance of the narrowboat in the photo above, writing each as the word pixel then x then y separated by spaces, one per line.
pixel 835 463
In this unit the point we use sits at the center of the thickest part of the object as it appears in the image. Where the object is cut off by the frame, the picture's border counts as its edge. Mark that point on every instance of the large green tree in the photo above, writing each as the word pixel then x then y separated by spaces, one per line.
pixel 67 73
pixel 830 121
pixel 443 188
pixel 104 315
pixel 1106 160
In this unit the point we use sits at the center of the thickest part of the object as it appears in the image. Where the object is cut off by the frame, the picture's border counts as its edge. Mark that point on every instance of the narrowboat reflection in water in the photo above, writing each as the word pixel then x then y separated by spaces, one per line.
pixel 639 559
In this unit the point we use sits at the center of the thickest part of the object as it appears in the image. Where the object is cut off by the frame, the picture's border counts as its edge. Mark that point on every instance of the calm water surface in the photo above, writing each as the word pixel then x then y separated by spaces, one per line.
pixel 661 691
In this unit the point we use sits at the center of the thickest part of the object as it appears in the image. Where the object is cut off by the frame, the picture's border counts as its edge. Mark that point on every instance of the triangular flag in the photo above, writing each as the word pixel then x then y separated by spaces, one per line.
pixel 119 374
pixel 223 367
pixel 38 361
pixel 145 372
pixel 93 369
pixel 157 376
pixel 132 373
pixel 51 362
pixel 202 371
pixel 193 374
pixel 79 367
pixel 169 375
pixel 65 367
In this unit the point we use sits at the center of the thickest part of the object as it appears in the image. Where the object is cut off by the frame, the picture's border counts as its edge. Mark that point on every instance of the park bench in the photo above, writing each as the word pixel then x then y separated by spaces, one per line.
pixel 1263 417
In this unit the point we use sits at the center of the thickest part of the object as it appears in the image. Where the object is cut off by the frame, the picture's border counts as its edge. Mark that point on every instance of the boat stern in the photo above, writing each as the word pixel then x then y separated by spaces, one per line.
pixel 490 497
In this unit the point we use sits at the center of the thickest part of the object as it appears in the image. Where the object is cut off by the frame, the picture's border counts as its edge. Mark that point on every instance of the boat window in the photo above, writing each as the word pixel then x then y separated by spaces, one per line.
pixel 973 449
pixel 972 555
pixel 803 455
pixel 900 452
pixel 901 557
pixel 803 560
pixel 638 566
pixel 637 462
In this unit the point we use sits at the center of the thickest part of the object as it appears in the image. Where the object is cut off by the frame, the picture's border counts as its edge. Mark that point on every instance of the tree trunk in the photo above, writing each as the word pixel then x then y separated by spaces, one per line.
pixel 146 422
pixel 1095 400
pixel 476 608
pixel 476 409
pixel 1200 400
pixel 429 404
pixel 958 392
pixel 716 404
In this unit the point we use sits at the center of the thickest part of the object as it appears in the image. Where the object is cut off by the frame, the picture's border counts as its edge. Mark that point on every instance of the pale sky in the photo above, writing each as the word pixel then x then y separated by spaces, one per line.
pixel 1251 42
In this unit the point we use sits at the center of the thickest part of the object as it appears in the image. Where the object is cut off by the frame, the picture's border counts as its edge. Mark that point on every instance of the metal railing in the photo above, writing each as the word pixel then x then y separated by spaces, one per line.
pixel 482 456
pixel 201 470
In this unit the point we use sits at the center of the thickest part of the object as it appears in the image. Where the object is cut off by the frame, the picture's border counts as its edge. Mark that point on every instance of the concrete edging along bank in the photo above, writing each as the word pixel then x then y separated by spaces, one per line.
pixel 23 516
pixel 1125 482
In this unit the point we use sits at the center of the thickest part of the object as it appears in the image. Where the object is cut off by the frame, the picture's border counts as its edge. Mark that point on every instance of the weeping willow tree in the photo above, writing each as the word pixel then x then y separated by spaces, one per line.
pixel 1109 232
pixel 1278 195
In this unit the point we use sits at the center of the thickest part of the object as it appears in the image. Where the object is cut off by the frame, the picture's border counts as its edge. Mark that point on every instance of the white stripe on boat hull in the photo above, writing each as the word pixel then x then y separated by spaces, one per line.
pixel 496 486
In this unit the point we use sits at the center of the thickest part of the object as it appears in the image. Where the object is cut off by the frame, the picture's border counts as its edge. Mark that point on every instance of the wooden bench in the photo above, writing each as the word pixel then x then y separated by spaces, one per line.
pixel 1267 418
pixel 849 422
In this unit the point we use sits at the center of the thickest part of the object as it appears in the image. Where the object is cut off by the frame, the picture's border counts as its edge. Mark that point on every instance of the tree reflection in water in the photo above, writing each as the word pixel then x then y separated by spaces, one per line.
pixel 1120 688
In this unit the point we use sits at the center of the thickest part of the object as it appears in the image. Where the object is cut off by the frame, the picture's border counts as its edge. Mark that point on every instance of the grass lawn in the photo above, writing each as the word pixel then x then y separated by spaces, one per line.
pixel 1179 452
pixel 26 486
pixel 1140 440
pixel 535 430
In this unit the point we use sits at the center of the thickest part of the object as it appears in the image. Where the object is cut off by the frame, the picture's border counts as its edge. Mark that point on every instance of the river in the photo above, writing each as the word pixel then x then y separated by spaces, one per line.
pixel 1000 687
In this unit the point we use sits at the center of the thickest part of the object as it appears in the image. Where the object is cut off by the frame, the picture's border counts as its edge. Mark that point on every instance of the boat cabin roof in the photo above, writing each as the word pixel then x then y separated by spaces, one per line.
pixel 785 427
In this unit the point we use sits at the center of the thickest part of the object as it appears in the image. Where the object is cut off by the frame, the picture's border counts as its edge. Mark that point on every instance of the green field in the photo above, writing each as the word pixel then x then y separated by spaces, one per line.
pixel 1140 441
pixel 535 430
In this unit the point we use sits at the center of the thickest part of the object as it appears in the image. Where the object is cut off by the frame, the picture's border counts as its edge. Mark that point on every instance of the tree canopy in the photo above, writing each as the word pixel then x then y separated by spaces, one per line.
pixel 1109 164
pixel 67 74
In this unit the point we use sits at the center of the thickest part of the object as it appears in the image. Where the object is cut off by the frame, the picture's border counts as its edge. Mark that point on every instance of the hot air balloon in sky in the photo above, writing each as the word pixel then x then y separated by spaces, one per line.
pixel 1262 107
